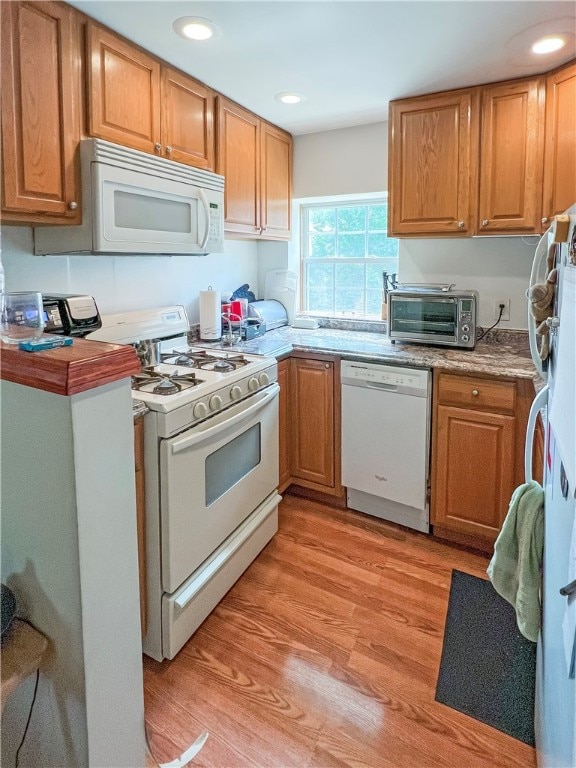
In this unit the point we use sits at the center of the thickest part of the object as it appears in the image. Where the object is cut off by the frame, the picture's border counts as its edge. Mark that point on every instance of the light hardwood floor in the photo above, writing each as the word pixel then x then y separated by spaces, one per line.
pixel 325 654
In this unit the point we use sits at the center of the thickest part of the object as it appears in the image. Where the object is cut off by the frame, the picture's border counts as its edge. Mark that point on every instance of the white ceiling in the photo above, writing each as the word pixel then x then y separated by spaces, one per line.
pixel 349 57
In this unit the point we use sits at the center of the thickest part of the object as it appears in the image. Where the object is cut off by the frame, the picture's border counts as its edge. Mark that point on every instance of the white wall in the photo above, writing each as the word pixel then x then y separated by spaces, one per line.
pixel 353 161
pixel 124 283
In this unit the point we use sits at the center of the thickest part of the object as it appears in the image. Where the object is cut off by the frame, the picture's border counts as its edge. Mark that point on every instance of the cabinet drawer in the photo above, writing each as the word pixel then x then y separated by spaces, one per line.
pixel 477 393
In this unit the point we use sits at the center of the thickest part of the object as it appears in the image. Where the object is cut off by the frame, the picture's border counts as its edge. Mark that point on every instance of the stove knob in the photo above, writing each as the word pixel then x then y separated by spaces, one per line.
pixel 215 403
pixel 200 410
pixel 236 392
pixel 264 379
pixel 253 384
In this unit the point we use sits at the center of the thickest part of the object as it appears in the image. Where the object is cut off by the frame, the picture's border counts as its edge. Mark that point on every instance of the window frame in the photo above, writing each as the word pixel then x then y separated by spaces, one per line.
pixel 365 201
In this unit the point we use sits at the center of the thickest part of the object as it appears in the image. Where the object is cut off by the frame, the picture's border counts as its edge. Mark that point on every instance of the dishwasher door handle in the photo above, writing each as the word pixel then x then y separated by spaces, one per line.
pixel 382 387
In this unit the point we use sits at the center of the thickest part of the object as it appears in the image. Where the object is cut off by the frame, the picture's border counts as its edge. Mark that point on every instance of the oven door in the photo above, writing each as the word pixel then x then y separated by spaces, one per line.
pixel 213 476
pixel 420 318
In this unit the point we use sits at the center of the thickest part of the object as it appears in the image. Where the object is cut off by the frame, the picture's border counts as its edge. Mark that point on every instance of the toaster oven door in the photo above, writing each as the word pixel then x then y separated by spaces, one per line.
pixel 424 318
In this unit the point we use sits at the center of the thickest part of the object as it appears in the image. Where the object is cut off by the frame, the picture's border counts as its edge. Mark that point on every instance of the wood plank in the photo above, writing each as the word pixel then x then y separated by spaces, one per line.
pixel 325 654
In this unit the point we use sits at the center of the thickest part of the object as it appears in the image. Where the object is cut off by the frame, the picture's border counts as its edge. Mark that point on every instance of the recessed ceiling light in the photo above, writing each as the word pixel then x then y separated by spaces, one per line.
pixel 289 97
pixel 548 44
pixel 194 28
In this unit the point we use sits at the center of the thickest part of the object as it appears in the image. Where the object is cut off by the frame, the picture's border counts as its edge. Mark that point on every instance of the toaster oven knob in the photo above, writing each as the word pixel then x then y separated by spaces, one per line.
pixel 215 403
pixel 465 337
pixel 264 379
pixel 465 328
pixel 253 384
pixel 200 410
pixel 236 392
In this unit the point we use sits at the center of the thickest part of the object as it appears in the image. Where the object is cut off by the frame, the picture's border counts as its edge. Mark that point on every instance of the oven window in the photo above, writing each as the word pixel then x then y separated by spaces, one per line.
pixel 229 464
pixel 430 317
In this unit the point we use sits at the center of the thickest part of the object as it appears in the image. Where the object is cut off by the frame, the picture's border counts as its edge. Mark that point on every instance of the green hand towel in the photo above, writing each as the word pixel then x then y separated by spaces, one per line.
pixel 515 569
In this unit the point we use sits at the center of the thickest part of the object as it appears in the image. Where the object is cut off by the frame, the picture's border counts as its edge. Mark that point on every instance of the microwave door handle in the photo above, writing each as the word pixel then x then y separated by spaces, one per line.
pixel 206 207
pixel 539 402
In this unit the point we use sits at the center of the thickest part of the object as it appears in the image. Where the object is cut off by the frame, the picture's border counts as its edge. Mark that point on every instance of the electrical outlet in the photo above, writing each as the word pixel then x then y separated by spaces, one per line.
pixel 506 311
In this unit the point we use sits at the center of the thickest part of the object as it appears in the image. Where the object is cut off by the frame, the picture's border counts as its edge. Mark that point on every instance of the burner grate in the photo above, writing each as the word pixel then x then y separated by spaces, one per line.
pixel 151 380
pixel 203 359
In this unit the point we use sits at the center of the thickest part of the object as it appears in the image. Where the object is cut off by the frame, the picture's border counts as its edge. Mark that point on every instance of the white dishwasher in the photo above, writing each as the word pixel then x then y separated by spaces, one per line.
pixel 386 441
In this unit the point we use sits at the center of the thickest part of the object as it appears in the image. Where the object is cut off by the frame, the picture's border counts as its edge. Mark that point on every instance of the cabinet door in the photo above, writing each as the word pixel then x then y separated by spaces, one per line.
pixel 473 471
pixel 313 422
pixel 238 159
pixel 284 423
pixel 511 157
pixel 276 148
pixel 123 91
pixel 187 120
pixel 40 113
pixel 559 191
pixel 432 161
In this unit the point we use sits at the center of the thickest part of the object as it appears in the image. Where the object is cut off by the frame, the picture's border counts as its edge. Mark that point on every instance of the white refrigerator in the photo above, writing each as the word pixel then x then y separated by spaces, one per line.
pixel 555 710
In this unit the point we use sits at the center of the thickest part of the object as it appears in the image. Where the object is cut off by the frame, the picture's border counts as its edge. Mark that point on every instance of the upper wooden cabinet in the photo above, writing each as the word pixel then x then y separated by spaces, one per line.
pixel 135 101
pixel 41 94
pixel 495 159
pixel 511 152
pixel 559 190
pixel 431 164
pixel 256 160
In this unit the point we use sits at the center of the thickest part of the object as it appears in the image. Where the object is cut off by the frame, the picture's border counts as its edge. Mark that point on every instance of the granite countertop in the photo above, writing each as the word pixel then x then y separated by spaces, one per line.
pixel 504 353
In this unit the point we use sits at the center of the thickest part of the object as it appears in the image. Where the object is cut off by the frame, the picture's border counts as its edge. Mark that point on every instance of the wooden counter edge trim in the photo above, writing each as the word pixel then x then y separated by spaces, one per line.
pixel 83 366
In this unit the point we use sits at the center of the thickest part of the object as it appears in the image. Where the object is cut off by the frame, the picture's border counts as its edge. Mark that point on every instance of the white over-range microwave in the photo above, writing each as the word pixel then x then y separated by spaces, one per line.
pixel 138 204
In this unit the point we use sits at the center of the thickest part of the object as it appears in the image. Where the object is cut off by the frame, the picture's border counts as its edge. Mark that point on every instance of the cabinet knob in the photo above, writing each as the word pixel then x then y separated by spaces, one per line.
pixel 73 205
pixel 485 222
pixel 326 365
pixel 460 225
pixel 157 146
pixel 474 393
pixel 544 219
pixel 168 149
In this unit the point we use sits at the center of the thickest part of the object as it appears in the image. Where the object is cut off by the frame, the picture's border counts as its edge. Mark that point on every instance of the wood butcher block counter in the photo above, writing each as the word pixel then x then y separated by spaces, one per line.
pixel 68 370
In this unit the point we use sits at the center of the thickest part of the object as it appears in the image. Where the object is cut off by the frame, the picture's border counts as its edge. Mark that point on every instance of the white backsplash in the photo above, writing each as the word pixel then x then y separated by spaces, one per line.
pixel 497 268
pixel 124 283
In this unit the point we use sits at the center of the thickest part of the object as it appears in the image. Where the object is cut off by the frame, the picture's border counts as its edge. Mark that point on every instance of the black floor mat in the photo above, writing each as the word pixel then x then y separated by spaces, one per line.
pixel 488 668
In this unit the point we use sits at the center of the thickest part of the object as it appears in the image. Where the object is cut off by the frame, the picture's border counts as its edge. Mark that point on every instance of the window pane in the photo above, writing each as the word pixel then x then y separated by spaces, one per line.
pixel 320 275
pixel 320 300
pixel 377 217
pixel 374 276
pixel 352 219
pixel 322 220
pixel 374 303
pixel 349 300
pixel 349 293
pixel 321 245
pixel 351 245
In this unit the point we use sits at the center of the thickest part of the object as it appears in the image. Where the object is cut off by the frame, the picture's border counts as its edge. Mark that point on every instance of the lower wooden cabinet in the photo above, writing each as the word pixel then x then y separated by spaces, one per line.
pixel 479 428
pixel 310 424
pixel 141 516
pixel 284 424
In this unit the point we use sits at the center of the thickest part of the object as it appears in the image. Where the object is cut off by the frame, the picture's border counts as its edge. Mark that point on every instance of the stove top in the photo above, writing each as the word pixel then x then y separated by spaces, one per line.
pixel 191 383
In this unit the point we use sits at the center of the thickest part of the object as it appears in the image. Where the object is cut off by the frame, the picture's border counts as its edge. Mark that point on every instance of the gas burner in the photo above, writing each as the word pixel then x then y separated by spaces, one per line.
pixel 151 380
pixel 201 358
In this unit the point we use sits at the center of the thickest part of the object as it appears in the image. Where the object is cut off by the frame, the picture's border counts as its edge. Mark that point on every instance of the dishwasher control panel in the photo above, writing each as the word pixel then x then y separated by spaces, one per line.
pixel 390 377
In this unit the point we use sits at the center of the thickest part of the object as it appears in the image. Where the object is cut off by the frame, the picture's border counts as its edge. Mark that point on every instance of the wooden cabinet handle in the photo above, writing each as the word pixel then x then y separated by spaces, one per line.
pixel 544 219
pixel 485 222
pixel 168 149
pixel 157 146
pixel 73 205
pixel 460 225
pixel 474 393
pixel 326 365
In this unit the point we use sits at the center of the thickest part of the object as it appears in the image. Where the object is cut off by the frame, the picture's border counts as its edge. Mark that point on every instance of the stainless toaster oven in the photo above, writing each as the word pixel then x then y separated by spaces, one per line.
pixel 433 315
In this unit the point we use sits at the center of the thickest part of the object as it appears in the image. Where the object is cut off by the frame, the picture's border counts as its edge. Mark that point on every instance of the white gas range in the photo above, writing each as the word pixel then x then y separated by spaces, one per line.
pixel 211 464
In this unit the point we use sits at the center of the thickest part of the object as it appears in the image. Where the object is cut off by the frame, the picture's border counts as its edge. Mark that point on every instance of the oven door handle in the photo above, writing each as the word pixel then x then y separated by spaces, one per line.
pixel 206 433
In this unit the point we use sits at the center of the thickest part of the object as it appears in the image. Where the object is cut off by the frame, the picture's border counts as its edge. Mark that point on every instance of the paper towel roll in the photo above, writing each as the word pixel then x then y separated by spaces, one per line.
pixel 210 320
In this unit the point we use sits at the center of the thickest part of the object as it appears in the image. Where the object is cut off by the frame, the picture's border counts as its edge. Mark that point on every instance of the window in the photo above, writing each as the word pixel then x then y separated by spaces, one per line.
pixel 345 250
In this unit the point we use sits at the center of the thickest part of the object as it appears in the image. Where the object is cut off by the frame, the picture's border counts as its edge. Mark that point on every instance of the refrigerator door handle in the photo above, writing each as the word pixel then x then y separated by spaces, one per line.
pixel 539 402
pixel 569 589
